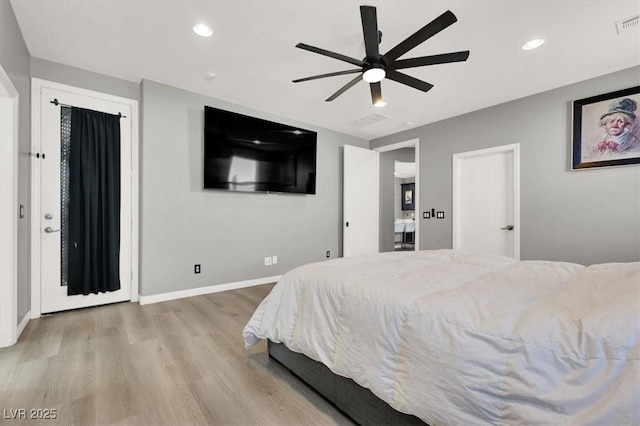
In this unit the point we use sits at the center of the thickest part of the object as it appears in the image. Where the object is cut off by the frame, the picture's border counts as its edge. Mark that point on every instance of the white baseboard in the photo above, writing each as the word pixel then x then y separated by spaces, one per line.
pixel 163 297
pixel 23 324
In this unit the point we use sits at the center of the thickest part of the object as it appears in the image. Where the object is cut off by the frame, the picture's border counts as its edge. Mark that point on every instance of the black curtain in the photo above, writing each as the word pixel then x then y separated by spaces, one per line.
pixel 94 202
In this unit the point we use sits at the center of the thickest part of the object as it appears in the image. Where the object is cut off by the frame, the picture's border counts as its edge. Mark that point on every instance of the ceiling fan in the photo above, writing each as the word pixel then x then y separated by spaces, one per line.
pixel 375 67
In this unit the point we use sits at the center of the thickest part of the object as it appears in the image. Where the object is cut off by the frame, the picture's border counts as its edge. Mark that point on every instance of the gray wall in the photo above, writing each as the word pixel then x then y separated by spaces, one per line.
pixel 76 77
pixel 180 223
pixel 588 216
pixel 387 191
pixel 228 233
pixel 14 58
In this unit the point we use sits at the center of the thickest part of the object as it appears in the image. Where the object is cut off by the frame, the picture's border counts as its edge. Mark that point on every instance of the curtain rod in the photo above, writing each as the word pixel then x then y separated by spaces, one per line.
pixel 56 103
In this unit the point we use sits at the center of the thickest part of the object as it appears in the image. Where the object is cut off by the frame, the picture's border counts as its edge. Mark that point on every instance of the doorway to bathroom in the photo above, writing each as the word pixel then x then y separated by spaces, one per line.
pixel 399 199
pixel 404 200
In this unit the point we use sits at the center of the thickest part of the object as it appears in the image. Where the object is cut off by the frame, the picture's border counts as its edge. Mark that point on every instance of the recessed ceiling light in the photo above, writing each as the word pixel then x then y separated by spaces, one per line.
pixel 210 76
pixel 202 30
pixel 532 44
pixel 379 104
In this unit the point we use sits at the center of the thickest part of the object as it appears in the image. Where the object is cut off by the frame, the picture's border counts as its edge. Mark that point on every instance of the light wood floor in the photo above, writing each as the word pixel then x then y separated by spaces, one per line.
pixel 181 362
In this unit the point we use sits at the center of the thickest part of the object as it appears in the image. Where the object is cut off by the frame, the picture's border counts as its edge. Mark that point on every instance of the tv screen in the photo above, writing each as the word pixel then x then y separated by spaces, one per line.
pixel 243 153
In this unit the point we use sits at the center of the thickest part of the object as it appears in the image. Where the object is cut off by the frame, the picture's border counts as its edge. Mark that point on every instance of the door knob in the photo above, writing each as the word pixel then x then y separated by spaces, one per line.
pixel 507 228
pixel 49 230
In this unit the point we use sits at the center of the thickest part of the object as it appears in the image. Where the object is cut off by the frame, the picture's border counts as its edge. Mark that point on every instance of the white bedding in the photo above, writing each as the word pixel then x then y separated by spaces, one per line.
pixel 463 338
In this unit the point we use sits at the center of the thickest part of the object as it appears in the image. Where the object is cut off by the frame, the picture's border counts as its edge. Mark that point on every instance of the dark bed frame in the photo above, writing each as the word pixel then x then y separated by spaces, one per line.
pixel 359 403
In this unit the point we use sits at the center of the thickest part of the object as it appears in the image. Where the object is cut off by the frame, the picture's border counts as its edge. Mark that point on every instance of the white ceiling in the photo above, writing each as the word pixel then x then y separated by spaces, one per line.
pixel 253 56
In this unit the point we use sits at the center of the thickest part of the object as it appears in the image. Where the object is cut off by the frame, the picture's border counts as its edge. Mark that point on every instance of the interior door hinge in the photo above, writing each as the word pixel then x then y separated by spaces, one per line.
pixel 39 155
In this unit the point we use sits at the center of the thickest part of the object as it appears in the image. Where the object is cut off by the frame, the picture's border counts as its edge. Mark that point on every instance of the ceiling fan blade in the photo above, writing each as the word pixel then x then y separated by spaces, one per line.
pixel 376 92
pixel 370 32
pixel 344 88
pixel 331 54
pixel 430 60
pixel 424 33
pixel 408 80
pixel 331 74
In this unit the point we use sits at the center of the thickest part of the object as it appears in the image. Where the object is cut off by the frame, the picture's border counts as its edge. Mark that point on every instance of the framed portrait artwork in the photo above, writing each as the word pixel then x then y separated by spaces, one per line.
pixel 606 130
pixel 408 196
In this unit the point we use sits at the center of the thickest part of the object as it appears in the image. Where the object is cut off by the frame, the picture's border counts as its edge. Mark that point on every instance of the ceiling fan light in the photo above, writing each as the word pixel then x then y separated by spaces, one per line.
pixel 532 44
pixel 202 30
pixel 374 75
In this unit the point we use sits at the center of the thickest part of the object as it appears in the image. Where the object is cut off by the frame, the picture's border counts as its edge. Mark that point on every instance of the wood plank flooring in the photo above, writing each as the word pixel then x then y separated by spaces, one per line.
pixel 180 362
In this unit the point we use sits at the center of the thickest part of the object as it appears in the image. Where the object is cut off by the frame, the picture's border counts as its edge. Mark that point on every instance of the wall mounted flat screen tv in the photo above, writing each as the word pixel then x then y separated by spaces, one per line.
pixel 243 153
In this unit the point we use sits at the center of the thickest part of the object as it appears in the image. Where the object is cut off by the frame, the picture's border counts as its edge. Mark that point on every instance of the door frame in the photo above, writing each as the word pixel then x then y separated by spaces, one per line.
pixel 36 120
pixel 415 144
pixel 457 158
pixel 9 98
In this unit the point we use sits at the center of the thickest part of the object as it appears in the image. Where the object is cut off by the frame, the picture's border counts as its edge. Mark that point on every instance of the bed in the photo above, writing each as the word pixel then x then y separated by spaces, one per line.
pixel 453 337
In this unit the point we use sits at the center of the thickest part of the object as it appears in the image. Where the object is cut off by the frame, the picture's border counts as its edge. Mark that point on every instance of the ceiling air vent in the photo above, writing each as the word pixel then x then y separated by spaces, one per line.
pixel 368 120
pixel 628 24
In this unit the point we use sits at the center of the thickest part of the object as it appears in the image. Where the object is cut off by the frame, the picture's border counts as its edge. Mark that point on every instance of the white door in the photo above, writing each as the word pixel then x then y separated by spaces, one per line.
pixel 361 199
pixel 51 218
pixel 486 201
pixel 8 209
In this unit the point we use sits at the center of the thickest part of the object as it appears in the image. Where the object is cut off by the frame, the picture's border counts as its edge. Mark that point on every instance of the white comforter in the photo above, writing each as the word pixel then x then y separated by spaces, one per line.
pixel 463 338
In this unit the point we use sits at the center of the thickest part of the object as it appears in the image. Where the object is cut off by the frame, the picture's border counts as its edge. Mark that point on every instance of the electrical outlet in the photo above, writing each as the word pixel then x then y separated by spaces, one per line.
pixel 196 269
pixel 268 261
pixel 274 260
pixel 328 253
